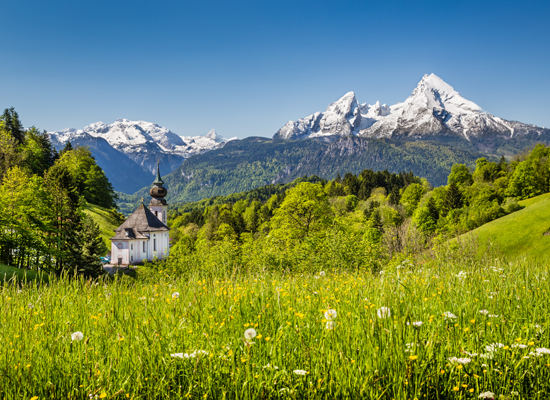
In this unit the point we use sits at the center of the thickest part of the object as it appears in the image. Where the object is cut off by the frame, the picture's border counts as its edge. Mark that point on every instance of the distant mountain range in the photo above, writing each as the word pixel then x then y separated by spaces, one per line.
pixel 428 132
pixel 128 150
pixel 434 110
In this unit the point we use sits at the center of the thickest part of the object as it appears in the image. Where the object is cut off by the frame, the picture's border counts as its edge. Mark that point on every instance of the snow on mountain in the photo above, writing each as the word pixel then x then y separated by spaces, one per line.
pixel 196 144
pixel 436 108
pixel 343 117
pixel 433 109
pixel 146 142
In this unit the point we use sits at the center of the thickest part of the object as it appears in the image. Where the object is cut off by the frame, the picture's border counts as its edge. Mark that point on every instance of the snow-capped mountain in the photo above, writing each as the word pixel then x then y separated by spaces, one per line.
pixel 434 109
pixel 145 142
pixel 343 117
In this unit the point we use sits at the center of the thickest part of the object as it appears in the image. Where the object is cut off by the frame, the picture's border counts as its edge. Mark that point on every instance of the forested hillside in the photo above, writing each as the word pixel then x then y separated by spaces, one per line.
pixel 355 219
pixel 253 162
pixel 42 196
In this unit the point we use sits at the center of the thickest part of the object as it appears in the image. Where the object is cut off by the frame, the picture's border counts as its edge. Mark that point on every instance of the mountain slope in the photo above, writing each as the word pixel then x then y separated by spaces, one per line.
pixel 144 143
pixel 524 233
pixel 434 111
pixel 124 174
pixel 106 220
pixel 253 162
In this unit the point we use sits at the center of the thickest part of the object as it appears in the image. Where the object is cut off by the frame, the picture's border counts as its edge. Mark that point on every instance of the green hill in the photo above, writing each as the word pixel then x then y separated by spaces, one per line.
pixel 525 233
pixel 106 219
pixel 6 273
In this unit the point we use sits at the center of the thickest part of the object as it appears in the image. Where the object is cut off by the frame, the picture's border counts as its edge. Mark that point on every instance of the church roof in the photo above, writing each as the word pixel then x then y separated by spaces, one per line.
pixel 141 221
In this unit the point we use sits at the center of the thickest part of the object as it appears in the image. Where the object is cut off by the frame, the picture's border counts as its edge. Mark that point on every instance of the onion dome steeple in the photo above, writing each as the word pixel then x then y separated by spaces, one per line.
pixel 158 191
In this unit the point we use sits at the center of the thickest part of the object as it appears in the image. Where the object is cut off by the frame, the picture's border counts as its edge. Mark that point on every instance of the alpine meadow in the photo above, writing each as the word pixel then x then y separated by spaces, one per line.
pixel 275 200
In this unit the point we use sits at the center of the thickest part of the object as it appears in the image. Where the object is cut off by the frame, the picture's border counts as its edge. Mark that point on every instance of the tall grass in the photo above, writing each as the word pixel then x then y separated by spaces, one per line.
pixel 134 330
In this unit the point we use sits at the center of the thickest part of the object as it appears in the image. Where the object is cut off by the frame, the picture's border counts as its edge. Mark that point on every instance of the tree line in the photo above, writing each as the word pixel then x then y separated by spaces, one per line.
pixel 352 220
pixel 42 195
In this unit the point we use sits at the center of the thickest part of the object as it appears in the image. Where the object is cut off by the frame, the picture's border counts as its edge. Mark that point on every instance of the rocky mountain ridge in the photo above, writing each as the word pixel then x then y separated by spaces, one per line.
pixel 144 142
pixel 433 111
pixel 128 151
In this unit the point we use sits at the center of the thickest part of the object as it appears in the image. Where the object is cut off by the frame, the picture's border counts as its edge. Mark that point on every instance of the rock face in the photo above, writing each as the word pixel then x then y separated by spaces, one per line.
pixel 142 142
pixel 434 110
pixel 341 118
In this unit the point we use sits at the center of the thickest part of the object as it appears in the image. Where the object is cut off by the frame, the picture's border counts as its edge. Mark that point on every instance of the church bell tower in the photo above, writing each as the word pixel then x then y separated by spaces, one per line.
pixel 158 205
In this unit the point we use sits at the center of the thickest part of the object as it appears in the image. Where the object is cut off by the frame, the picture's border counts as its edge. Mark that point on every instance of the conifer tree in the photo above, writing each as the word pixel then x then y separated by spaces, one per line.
pixel 91 247
pixel 453 197
pixel 394 196
pixel 13 124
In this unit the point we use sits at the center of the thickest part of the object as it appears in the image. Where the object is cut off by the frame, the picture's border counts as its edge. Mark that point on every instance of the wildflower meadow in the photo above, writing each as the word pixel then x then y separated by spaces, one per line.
pixel 430 331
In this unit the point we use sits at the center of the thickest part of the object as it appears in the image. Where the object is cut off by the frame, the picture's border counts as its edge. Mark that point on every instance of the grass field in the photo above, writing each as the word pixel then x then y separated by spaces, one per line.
pixel 441 331
pixel 103 217
pixel 520 234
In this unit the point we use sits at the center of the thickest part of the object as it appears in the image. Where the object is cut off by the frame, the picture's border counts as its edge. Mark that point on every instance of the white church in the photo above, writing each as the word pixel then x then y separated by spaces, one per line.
pixel 144 235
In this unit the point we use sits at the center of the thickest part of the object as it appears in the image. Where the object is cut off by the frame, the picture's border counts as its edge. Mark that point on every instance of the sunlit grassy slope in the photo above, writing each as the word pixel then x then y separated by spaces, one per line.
pixel 106 221
pixel 520 234
pixel 6 273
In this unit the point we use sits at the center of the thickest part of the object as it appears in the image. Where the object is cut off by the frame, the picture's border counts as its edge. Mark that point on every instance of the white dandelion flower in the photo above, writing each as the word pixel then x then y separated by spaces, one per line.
pixel 449 315
pixel 484 312
pixel 300 372
pixel 30 305
pixel 77 336
pixel 250 334
pixel 330 314
pixel 322 273
pixel 494 347
pixel 462 361
pixel 461 275
pixel 175 295
pixel 520 346
pixel 383 312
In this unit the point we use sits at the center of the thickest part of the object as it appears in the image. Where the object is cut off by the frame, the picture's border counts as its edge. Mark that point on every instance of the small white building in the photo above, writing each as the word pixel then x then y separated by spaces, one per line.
pixel 144 235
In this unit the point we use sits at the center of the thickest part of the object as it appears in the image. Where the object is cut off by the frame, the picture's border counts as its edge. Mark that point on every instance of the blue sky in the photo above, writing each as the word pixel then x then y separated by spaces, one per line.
pixel 247 67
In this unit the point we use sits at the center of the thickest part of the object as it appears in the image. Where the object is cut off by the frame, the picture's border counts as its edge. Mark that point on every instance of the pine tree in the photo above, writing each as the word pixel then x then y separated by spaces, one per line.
pixel 395 196
pixel 65 215
pixel 91 247
pixel 453 197
pixel 68 147
pixel 376 220
pixel 13 124
pixel 432 209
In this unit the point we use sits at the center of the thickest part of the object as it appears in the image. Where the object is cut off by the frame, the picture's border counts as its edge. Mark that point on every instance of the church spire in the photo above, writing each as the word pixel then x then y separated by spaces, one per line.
pixel 158 191
pixel 159 180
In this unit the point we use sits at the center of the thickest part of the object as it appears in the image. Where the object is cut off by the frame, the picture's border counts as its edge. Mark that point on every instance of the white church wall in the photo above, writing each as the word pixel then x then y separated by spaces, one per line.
pixel 120 250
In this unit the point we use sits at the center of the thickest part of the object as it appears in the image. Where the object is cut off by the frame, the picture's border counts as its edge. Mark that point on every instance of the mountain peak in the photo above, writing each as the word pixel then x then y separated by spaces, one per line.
pixel 435 83
pixel 432 92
